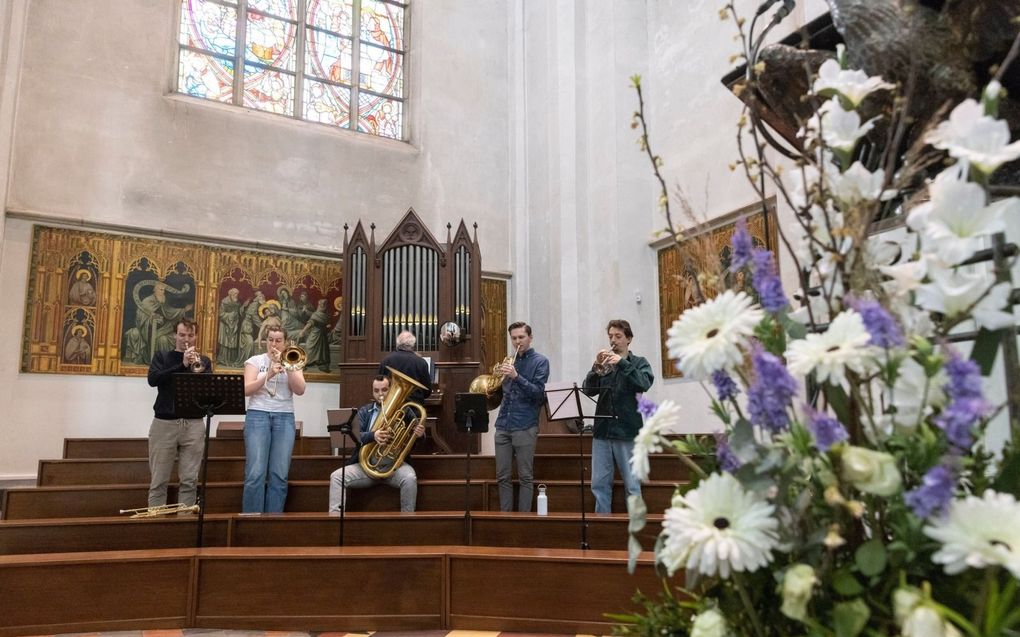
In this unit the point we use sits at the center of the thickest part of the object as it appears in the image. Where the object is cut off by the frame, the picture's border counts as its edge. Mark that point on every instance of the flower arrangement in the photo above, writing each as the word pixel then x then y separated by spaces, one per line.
pixel 851 490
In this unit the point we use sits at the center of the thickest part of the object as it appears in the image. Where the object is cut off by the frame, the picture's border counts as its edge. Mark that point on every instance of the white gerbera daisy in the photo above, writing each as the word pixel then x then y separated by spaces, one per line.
pixel 979 532
pixel 843 346
pixel 708 337
pixel 718 527
pixel 651 438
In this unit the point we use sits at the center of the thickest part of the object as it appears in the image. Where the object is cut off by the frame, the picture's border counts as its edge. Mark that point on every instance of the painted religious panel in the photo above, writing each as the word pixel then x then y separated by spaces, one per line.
pixel 102 303
pixel 703 261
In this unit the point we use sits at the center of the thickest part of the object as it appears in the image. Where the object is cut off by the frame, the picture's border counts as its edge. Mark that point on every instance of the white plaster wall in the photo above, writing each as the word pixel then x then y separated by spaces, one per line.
pixel 99 137
pixel 588 260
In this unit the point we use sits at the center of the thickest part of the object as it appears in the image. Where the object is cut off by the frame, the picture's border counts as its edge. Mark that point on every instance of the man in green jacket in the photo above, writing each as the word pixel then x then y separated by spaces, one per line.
pixel 618 377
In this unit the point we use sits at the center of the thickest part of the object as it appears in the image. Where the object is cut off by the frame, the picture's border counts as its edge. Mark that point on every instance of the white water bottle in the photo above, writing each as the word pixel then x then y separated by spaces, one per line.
pixel 542 501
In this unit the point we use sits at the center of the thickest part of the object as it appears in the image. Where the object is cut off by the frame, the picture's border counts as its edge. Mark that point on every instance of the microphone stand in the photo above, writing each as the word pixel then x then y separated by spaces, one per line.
pixel 580 460
pixel 467 479
pixel 345 430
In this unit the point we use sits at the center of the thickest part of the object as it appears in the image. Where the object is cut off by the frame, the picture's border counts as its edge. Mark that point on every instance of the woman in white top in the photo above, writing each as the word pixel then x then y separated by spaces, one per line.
pixel 269 426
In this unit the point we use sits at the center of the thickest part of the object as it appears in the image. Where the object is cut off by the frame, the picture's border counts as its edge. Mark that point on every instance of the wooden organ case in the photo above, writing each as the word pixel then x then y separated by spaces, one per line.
pixel 411 281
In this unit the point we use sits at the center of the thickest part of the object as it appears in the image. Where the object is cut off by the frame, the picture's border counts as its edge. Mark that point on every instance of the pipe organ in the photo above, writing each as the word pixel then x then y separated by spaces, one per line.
pixel 411 281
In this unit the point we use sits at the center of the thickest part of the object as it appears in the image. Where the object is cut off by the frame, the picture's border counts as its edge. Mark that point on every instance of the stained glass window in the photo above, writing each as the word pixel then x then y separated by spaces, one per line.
pixel 298 58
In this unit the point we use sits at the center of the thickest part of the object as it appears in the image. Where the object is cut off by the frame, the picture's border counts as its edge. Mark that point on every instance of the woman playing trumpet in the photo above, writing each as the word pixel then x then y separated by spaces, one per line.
pixel 269 425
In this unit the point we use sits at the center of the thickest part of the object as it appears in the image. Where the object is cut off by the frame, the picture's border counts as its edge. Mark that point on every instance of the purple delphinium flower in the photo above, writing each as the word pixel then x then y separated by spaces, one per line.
pixel 766 281
pixel 885 331
pixel 825 429
pixel 934 493
pixel 967 405
pixel 646 407
pixel 964 377
pixel 958 420
pixel 727 460
pixel 740 246
pixel 725 388
pixel 771 393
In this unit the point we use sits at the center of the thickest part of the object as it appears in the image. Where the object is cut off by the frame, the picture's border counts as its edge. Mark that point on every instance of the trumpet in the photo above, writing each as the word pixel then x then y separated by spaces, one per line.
pixel 163 509
pixel 602 365
pixel 196 365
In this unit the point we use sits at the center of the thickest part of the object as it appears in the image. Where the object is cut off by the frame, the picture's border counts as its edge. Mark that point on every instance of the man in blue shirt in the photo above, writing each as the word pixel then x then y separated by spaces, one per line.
pixel 354 477
pixel 517 424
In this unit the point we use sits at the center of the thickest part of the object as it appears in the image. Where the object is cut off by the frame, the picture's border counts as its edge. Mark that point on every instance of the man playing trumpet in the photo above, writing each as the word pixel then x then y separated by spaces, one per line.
pixel 170 438
pixel 617 377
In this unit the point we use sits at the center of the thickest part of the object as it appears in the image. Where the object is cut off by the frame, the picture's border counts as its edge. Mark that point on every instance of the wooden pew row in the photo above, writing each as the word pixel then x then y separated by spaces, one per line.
pixel 304 446
pixel 486 528
pixel 95 471
pixel 21 503
pixel 319 589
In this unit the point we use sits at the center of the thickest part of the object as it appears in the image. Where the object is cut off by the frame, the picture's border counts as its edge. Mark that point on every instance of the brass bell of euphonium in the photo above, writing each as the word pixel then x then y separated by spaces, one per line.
pixel 492 384
pixel 400 417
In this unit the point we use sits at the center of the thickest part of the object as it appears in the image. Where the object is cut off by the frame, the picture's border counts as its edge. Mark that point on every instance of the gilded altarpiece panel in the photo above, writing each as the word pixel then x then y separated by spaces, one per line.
pixel 103 304
pixel 681 264
pixel 494 321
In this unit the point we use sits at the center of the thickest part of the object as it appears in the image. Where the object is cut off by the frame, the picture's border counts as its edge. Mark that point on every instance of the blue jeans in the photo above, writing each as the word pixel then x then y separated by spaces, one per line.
pixel 604 453
pixel 268 443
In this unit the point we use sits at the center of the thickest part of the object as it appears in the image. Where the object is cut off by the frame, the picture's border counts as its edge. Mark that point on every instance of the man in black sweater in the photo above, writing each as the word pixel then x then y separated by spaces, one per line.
pixel 172 438
pixel 406 361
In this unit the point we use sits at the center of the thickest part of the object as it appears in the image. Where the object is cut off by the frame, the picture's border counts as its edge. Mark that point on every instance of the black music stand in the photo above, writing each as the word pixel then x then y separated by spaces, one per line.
pixel 471 414
pixel 198 395
pixel 563 402
pixel 340 425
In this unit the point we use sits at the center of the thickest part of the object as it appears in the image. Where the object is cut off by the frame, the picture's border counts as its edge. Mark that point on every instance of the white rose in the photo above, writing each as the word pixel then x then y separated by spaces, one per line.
pixel 710 623
pixel 871 471
pixel 798 583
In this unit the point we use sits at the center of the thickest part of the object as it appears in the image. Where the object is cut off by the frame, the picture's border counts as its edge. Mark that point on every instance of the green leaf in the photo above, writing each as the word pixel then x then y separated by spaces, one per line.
pixel 838 401
pixel 871 558
pixel 844 583
pixel 1009 476
pixel 986 346
pixel 793 328
pixel 850 618
pixel 742 443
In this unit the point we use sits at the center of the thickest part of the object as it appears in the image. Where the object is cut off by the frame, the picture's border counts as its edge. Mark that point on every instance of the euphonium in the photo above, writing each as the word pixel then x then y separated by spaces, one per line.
pixel 492 384
pixel 381 460
pixel 163 509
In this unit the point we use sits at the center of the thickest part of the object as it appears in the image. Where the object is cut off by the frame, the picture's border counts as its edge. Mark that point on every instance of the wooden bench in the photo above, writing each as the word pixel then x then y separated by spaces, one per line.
pixel 21 503
pixel 306 445
pixel 361 528
pixel 398 589
pixel 97 471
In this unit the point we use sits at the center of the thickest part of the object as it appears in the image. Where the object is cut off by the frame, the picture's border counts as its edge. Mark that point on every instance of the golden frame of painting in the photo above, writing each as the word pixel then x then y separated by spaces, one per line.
pixel 103 304
pixel 700 256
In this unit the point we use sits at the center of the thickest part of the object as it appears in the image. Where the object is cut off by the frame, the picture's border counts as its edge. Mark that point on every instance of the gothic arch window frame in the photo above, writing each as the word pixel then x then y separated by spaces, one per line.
pixel 206 59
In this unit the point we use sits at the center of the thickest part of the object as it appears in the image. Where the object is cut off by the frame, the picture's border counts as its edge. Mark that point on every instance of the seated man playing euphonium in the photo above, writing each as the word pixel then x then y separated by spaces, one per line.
pixel 353 476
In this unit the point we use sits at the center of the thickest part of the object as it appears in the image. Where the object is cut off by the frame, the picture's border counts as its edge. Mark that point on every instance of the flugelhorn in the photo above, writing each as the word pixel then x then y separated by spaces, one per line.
pixel 163 509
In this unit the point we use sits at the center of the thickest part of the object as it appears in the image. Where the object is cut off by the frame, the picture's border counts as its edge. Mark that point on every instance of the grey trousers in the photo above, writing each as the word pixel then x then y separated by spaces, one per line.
pixel 182 440
pixel 404 478
pixel 520 443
